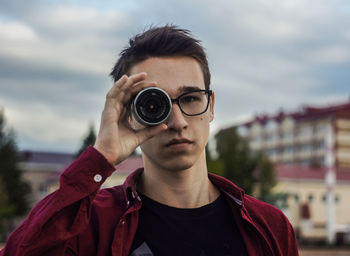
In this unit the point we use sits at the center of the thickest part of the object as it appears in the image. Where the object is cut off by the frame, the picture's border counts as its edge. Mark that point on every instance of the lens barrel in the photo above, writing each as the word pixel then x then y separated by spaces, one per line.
pixel 151 106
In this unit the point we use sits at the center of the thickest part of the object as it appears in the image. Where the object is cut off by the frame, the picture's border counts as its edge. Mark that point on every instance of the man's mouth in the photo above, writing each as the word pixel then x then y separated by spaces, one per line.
pixel 180 141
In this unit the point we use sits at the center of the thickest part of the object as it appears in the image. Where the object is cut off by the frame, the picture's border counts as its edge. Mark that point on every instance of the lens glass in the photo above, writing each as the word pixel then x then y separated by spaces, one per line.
pixel 153 106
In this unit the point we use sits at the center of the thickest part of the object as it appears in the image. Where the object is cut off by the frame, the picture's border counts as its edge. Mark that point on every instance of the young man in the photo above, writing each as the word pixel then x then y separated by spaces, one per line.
pixel 170 207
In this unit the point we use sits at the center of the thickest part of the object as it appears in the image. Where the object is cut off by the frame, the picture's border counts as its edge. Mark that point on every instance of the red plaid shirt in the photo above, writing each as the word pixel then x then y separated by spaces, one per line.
pixel 81 219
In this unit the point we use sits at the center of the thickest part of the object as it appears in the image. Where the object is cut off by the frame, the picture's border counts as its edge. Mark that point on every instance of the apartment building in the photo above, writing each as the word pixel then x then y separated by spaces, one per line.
pixel 311 151
pixel 303 137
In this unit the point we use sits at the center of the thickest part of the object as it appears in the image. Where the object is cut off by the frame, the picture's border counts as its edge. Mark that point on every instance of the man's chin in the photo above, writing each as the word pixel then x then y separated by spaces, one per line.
pixel 178 165
pixel 171 162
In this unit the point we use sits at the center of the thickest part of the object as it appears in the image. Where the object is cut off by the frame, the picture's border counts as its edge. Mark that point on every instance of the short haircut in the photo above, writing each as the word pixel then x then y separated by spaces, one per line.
pixel 165 41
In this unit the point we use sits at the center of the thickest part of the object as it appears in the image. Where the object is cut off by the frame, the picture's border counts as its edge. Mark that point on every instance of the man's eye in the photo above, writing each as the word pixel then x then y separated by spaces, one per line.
pixel 189 99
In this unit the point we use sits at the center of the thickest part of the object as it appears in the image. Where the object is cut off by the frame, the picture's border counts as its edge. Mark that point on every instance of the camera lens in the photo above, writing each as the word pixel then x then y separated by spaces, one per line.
pixel 151 106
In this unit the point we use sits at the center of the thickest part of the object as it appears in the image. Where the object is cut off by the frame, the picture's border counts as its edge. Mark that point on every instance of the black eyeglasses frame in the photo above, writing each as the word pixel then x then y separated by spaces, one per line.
pixel 176 100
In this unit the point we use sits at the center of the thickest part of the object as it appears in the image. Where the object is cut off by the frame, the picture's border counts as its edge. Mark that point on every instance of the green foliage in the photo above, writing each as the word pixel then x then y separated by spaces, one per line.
pixel 214 165
pixel 14 192
pixel 251 171
pixel 277 199
pixel 88 140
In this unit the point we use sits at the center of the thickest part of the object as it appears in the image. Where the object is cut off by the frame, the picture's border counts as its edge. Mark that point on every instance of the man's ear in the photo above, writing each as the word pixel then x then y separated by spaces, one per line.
pixel 211 106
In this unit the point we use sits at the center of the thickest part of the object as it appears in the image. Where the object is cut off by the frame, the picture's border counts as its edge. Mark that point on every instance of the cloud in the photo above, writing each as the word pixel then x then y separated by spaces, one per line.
pixel 16 32
pixel 53 74
pixel 264 55
pixel 331 54
pixel 37 121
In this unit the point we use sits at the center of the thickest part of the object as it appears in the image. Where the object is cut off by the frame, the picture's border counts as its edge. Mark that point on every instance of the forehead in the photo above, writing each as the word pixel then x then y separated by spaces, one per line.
pixel 173 74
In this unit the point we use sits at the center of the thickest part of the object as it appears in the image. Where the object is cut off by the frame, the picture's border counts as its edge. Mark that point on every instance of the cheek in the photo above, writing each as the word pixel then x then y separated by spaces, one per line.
pixel 147 144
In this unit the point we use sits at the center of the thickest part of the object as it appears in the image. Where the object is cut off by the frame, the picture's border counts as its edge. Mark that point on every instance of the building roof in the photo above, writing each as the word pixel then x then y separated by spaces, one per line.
pixel 56 162
pixel 297 172
pixel 306 113
pixel 46 157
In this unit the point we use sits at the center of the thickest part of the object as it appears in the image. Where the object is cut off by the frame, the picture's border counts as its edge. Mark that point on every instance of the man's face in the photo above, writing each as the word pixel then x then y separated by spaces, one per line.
pixel 183 144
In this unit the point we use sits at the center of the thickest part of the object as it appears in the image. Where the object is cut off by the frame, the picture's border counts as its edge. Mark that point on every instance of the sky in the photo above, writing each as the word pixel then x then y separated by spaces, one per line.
pixel 264 56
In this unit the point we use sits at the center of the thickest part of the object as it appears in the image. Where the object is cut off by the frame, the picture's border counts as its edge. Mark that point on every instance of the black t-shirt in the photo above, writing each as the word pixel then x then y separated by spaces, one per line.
pixel 209 230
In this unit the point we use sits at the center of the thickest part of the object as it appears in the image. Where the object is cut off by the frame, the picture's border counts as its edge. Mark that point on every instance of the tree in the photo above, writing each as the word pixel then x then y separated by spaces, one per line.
pixel 14 191
pixel 88 140
pixel 250 170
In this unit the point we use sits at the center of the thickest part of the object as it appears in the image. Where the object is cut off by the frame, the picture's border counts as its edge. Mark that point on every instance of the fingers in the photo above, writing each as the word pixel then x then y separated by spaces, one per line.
pixel 126 87
pixel 133 90
pixel 125 82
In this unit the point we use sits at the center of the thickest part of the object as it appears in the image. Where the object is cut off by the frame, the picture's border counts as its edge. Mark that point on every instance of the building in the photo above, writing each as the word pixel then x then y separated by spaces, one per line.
pixel 41 167
pixel 306 146
pixel 300 137
pixel 42 171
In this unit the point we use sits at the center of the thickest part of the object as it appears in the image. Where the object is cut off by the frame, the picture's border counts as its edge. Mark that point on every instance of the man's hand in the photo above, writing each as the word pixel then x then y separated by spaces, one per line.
pixel 116 140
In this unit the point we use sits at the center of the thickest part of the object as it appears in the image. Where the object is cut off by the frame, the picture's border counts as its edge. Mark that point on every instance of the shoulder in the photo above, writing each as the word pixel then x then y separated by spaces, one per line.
pixel 272 223
pixel 265 215
pixel 260 209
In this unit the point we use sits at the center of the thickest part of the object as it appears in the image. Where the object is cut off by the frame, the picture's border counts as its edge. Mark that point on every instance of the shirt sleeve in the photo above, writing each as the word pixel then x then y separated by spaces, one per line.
pixel 54 223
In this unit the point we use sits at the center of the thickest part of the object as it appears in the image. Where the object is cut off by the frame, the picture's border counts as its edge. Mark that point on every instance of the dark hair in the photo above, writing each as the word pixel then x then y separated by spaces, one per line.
pixel 163 41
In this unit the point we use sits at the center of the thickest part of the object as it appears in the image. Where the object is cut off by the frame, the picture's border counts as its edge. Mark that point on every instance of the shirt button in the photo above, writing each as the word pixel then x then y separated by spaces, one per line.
pixel 97 178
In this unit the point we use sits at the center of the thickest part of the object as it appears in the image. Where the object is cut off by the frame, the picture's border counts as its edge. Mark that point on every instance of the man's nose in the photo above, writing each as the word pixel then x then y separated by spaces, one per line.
pixel 177 120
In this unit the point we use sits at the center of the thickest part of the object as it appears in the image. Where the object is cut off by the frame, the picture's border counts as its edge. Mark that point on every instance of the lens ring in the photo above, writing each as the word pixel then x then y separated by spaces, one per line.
pixel 151 106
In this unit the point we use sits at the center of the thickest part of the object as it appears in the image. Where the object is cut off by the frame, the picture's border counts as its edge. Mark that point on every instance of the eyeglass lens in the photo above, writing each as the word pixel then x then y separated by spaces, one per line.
pixel 194 103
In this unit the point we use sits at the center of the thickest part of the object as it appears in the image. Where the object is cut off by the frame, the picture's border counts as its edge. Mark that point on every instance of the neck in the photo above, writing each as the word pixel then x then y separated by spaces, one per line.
pixel 188 188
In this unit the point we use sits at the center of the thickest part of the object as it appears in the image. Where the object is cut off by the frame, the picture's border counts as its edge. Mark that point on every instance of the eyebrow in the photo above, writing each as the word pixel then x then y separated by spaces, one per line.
pixel 186 88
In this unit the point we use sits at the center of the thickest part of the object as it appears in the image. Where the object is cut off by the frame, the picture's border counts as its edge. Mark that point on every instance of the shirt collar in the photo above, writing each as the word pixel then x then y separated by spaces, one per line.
pixel 228 187
pixel 129 186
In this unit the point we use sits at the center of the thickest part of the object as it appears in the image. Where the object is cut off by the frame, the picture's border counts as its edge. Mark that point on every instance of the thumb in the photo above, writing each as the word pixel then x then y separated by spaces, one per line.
pixel 149 132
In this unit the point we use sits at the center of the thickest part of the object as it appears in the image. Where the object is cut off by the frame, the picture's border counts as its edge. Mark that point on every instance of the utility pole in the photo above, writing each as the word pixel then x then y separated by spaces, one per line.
pixel 330 181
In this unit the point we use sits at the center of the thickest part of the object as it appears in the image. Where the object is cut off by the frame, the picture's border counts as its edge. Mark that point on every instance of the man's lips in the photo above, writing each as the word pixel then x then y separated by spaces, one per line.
pixel 178 141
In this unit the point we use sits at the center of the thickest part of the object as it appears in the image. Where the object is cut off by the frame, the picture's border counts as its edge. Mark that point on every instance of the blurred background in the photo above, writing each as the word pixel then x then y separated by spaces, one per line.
pixel 280 72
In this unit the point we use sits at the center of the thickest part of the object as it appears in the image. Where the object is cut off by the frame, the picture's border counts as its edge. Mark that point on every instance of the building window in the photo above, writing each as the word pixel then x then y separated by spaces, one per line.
pixel 319 145
pixel 336 199
pixel 321 129
pixel 305 148
pixel 288 135
pixel 271 126
pixel 272 152
pixel 271 137
pixel 296 198
pixel 304 132
pixel 310 198
pixel 288 150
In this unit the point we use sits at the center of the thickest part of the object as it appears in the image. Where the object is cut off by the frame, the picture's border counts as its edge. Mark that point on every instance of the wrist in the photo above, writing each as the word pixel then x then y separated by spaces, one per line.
pixel 110 157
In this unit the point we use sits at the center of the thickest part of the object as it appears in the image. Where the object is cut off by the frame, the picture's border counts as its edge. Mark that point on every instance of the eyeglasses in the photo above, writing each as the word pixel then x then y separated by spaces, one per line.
pixel 193 103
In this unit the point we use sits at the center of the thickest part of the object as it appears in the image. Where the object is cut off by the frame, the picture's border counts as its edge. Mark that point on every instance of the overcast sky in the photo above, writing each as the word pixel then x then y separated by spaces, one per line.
pixel 55 57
